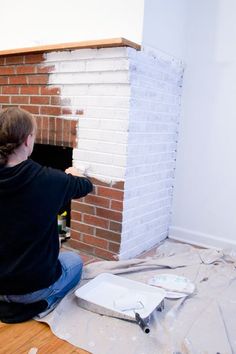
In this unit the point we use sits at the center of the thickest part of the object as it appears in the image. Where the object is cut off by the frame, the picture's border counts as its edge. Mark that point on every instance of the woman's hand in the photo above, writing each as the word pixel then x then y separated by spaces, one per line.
pixel 75 172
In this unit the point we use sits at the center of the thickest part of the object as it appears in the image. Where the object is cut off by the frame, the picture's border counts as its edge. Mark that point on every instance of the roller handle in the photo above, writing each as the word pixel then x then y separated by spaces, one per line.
pixel 142 323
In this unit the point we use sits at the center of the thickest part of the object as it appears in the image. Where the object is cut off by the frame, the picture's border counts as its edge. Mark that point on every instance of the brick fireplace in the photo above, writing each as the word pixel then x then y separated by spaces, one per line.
pixel 118 108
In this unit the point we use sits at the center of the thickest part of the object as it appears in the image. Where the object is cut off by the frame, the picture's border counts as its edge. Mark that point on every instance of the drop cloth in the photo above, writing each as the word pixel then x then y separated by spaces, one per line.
pixel 203 323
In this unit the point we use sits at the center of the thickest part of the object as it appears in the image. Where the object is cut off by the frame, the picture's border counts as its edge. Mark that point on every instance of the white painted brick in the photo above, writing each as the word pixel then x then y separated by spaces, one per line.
pixel 131 204
pixel 141 210
pixel 97 89
pixel 102 146
pixel 149 116
pixel 98 157
pixel 107 64
pixel 110 90
pixel 151 227
pixel 152 138
pixel 152 141
pixel 100 101
pixel 146 160
pixel 141 244
pixel 70 66
pixel 138 230
pixel 131 104
pixel 138 149
pixel 112 52
pixel 148 181
pixel 102 170
pixel 105 124
pixel 115 137
pixel 142 190
pixel 144 169
pixel 108 113
pixel 74 66
pixel 116 77
pixel 134 236
pixel 86 54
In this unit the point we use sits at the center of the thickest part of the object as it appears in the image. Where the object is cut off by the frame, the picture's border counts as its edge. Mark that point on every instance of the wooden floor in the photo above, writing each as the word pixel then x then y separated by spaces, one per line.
pixel 20 338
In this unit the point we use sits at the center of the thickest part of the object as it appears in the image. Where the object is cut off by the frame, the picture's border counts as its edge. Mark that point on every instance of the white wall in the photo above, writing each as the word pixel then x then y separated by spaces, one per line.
pixel 164 26
pixel 204 209
pixel 28 23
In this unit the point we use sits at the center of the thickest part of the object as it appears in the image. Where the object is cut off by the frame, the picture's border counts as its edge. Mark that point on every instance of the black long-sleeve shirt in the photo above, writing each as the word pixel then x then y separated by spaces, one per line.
pixel 31 197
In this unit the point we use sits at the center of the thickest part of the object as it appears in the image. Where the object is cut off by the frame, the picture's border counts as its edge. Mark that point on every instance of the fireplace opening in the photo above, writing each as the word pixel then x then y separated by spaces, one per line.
pixel 58 157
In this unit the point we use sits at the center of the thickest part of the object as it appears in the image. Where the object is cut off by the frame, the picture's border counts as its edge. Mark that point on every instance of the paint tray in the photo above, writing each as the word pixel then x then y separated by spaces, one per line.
pixel 115 296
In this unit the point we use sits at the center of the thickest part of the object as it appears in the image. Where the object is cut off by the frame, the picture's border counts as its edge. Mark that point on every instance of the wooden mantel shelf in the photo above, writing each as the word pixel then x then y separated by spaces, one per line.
pixel 102 43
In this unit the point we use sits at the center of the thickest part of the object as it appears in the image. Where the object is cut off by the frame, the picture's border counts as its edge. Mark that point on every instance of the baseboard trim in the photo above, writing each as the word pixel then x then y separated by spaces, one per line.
pixel 200 239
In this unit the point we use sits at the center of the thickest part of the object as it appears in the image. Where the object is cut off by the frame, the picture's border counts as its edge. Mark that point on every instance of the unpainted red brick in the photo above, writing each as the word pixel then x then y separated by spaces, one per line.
pixel 37 79
pixel 10 90
pixel 108 235
pixel 25 69
pixel 20 99
pixel 116 205
pixel 109 214
pixel 47 90
pixel 104 254
pixel 39 100
pixel 31 109
pixel 114 247
pixel 115 226
pixel 83 208
pixel 95 241
pixel 94 220
pixel 30 90
pixel 3 80
pixel 7 70
pixel 50 110
pixel 34 58
pixel 15 59
pixel 45 69
pixel 96 200
pixel 18 80
pixel 110 193
pixel 4 99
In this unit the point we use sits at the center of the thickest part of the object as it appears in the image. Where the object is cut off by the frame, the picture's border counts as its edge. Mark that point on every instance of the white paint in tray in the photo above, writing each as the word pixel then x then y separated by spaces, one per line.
pixel 116 296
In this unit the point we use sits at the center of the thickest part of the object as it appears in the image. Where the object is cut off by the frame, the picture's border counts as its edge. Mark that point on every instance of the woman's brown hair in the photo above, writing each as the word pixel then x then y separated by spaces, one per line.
pixel 15 125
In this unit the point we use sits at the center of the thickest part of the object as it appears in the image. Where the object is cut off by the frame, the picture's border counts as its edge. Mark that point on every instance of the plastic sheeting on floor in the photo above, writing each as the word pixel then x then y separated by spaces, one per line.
pixel 204 322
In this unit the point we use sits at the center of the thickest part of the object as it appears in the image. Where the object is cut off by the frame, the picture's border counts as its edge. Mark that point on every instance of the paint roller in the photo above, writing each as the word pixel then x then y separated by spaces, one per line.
pixel 131 304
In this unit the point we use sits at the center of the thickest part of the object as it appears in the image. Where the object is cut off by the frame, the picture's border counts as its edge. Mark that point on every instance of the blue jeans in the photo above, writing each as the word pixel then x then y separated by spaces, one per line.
pixel 71 274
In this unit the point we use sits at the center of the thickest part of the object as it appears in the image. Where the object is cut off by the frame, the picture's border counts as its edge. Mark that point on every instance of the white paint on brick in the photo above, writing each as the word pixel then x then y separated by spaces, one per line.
pixel 103 172
pixel 102 138
pixel 97 82
pixel 129 130
pixel 152 141
pixel 99 101
pixel 102 158
pixel 118 77
pixel 86 54
pixel 105 124
pixel 70 66
pixel 97 89
pixel 107 113
pixel 107 64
